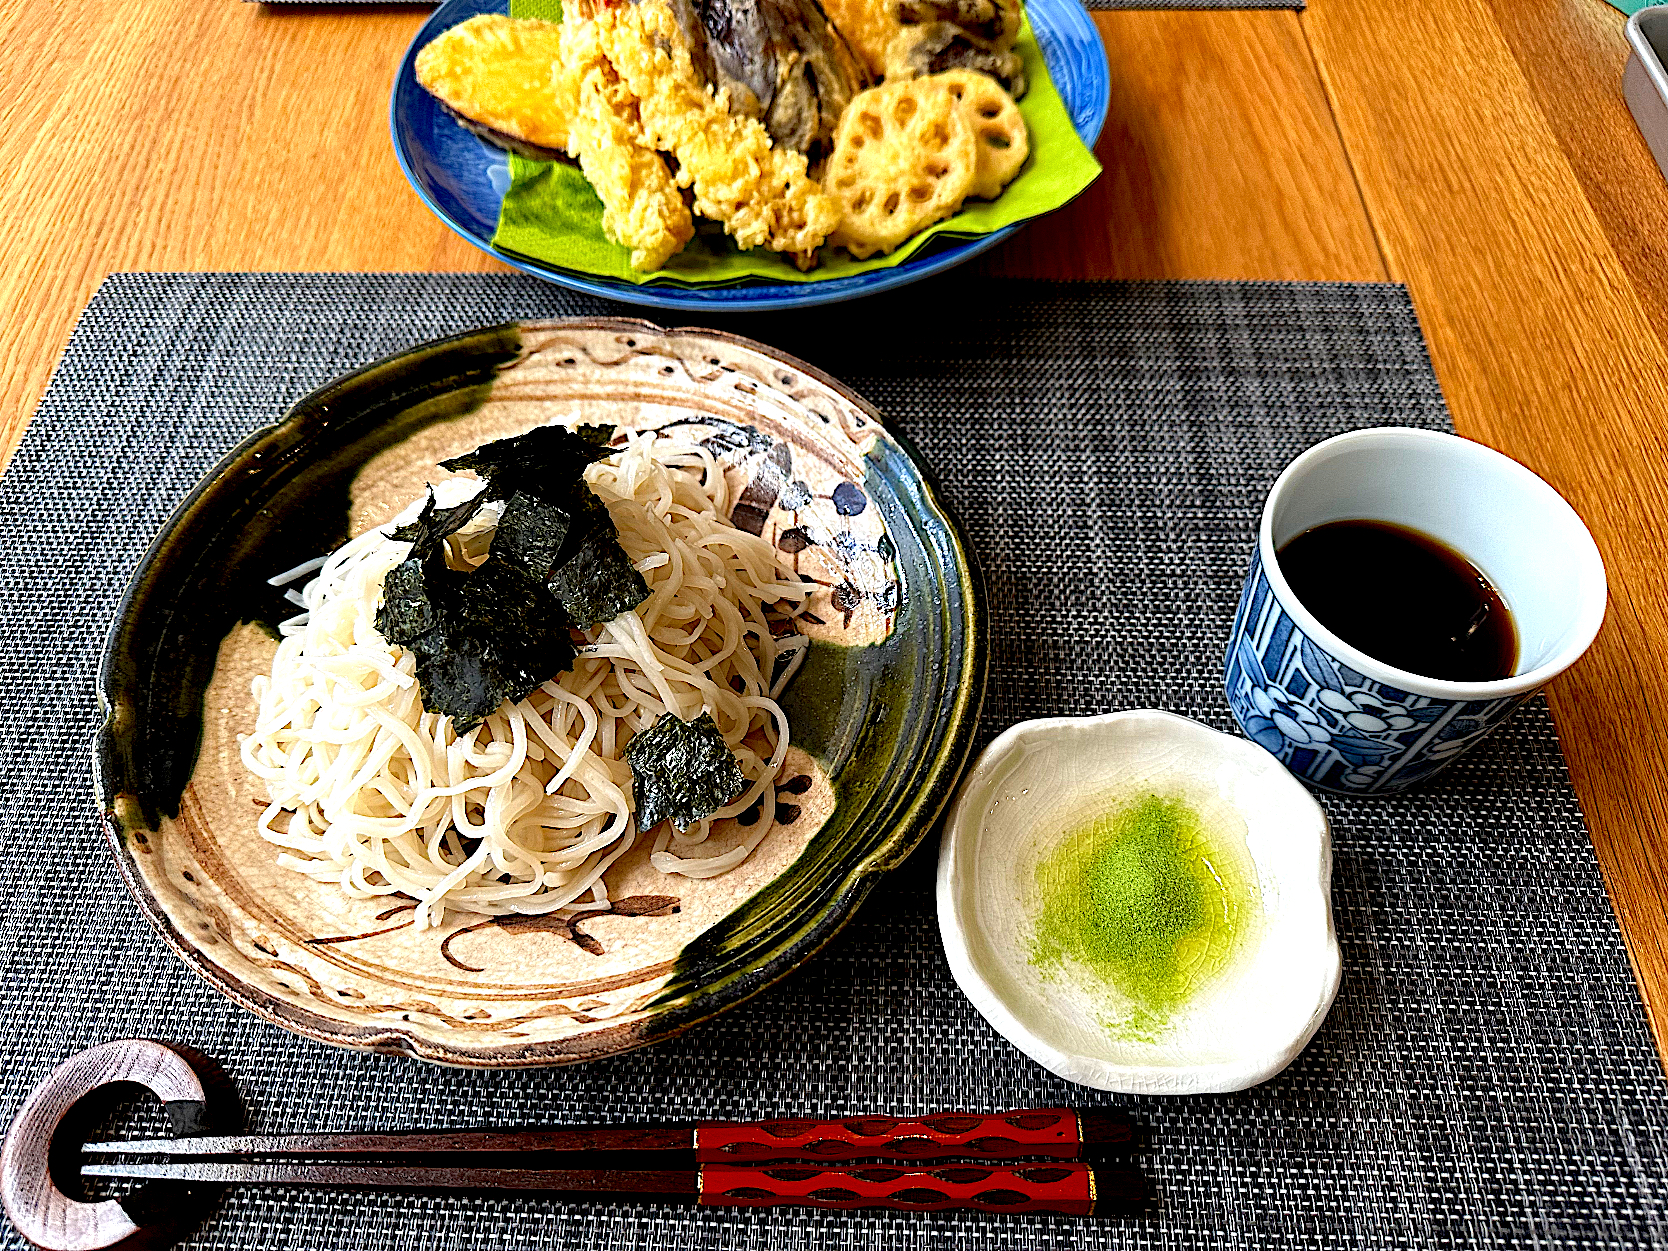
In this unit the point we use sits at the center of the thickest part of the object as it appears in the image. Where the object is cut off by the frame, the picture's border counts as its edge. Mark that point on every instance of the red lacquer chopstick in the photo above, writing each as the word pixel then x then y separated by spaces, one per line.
pixel 1055 1187
pixel 1056 1133
pixel 1059 1133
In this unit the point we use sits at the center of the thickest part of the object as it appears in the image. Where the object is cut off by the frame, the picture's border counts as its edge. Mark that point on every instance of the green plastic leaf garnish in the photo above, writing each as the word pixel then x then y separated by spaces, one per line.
pixel 681 771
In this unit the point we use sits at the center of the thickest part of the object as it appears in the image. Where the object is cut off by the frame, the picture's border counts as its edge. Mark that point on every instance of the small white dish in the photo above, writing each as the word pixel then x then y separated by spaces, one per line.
pixel 1015 808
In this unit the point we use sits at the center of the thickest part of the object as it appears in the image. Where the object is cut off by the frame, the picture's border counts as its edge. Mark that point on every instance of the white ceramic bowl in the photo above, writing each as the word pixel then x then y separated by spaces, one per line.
pixel 1016 804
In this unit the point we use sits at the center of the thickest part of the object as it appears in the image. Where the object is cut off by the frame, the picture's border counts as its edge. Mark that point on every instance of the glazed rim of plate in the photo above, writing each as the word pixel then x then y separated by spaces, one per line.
pixel 895 816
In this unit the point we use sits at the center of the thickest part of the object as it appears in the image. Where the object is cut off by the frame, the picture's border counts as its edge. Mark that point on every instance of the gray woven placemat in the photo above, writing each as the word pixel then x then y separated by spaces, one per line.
pixel 1485 1078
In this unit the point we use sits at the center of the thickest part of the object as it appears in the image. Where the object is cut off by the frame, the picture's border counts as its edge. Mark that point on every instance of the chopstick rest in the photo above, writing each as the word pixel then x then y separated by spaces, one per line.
pixel 45 1215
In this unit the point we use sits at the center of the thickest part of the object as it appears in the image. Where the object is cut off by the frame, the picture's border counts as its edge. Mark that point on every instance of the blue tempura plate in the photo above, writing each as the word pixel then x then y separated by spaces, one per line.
pixel 463 180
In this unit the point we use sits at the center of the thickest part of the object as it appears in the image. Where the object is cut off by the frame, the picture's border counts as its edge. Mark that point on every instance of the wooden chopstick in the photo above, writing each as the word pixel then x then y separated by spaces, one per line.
pixel 409 1176
pixel 564 1139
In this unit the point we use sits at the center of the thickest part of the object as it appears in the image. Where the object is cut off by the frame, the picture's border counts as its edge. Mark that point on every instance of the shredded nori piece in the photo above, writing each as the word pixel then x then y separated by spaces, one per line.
pixel 497 632
pixel 681 771
pixel 530 534
pixel 593 577
pixel 407 613
pixel 409 609
pixel 546 462
pixel 467 677
pixel 435 523
pixel 553 525
pixel 598 583
pixel 498 598
pixel 494 634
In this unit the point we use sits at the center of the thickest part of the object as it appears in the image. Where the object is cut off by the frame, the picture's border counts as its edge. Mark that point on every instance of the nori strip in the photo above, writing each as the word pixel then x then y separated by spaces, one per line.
pixel 500 630
pixel 479 637
pixel 464 677
pixel 571 543
pixel 546 462
pixel 406 612
pixel 681 771
pixel 593 577
pixel 541 474
pixel 530 534
pixel 434 524
pixel 498 635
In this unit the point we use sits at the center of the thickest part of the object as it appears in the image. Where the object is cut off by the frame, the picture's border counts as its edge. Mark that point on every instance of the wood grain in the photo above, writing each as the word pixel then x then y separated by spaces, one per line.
pixel 1221 160
pixel 201 134
pixel 1546 350
pixel 1571 54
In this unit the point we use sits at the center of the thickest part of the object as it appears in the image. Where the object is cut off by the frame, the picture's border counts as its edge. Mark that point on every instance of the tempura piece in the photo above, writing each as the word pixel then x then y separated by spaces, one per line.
pixel 906 156
pixel 869 27
pixel 782 61
pixel 995 23
pixel 497 76
pixel 872 27
pixel 998 129
pixel 642 208
pixel 762 195
pixel 934 47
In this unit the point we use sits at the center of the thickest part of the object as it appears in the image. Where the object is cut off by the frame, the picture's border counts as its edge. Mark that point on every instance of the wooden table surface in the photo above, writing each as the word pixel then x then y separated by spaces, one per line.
pixel 1477 150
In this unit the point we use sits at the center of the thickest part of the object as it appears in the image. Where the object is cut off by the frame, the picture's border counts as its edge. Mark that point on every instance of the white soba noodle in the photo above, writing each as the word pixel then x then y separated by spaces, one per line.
pixel 525 812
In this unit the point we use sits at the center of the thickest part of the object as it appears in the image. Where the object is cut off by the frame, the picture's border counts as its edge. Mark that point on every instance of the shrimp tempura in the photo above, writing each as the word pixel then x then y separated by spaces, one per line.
pixel 642 208
pixel 762 195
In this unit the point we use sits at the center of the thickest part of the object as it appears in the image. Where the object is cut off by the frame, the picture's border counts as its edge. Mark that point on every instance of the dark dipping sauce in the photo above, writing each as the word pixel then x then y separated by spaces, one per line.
pixel 1404 598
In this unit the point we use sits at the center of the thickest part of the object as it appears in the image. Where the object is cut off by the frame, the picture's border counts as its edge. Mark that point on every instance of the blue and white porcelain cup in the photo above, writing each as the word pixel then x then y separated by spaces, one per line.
pixel 1339 719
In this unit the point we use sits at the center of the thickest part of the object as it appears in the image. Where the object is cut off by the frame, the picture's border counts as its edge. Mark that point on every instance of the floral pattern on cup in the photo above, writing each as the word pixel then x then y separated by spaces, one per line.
pixel 1334 727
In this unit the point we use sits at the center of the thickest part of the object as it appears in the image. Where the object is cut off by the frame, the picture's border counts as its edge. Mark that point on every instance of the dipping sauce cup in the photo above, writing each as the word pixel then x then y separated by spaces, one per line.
pixel 1341 720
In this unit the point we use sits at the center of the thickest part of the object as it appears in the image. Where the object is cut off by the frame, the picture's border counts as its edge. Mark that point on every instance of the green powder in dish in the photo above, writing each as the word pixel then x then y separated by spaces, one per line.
pixel 1142 900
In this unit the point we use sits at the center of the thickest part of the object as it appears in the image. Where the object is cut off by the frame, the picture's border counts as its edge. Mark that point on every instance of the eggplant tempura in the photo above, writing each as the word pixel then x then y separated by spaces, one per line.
pixel 781 62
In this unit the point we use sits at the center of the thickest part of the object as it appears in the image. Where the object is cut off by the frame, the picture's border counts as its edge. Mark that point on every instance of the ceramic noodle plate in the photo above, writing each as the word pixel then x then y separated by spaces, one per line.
pixel 881 713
